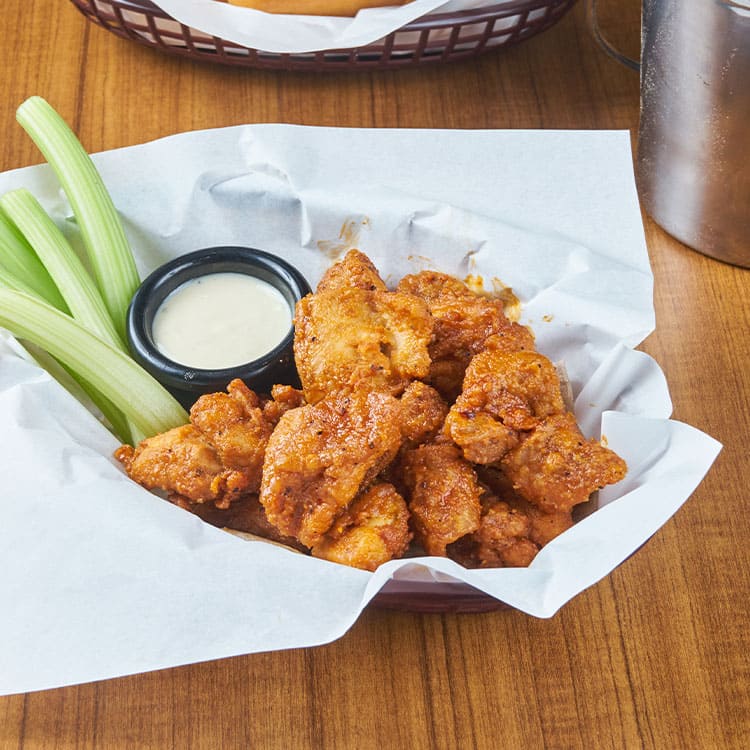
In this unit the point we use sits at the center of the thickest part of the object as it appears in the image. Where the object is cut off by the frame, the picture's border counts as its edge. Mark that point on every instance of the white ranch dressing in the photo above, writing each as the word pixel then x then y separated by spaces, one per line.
pixel 221 320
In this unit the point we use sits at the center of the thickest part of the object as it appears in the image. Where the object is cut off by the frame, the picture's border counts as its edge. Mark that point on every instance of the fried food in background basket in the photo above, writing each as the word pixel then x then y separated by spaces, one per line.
pixel 315 7
pixel 426 423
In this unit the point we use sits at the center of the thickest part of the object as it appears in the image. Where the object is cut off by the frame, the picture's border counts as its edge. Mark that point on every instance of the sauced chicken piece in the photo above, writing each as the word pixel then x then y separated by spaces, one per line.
pixel 235 425
pixel 354 271
pixel 503 538
pixel 423 413
pixel 555 467
pixel 245 514
pixel 503 394
pixel 443 495
pixel 463 321
pixel 371 531
pixel 283 398
pixel 544 526
pixel 181 461
pixel 510 534
pixel 320 456
pixel 217 457
pixel 354 337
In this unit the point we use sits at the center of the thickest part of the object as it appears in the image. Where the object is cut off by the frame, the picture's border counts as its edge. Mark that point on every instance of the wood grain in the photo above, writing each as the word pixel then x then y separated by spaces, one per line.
pixel 654 656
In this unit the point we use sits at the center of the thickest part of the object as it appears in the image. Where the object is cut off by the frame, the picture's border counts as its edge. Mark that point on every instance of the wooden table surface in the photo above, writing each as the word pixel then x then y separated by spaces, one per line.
pixel 655 655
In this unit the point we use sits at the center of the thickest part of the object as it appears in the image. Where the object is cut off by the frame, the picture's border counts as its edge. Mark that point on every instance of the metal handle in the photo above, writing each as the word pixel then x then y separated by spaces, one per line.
pixel 602 41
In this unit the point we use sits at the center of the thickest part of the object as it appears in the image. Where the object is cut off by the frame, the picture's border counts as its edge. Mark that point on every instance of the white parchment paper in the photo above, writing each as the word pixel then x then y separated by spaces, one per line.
pixel 100 578
pixel 274 32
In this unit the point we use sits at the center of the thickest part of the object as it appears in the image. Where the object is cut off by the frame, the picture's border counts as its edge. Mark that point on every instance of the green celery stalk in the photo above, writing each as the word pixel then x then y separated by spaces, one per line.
pixel 98 220
pixel 11 281
pixel 69 379
pixel 18 258
pixel 143 400
pixel 82 390
pixel 76 286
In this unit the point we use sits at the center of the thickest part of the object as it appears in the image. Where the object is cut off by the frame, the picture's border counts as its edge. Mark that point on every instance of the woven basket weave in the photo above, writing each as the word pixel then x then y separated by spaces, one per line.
pixel 434 38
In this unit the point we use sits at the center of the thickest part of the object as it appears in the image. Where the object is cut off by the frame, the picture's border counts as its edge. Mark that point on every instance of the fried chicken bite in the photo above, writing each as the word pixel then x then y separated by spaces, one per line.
pixel 511 530
pixel 423 413
pixel 503 538
pixel 182 462
pixel 283 398
pixel 320 456
pixel 354 271
pixel 433 286
pixel 235 425
pixel 219 455
pixel 370 531
pixel 463 322
pixel 442 493
pixel 504 393
pixel 554 467
pixel 347 337
pixel 544 526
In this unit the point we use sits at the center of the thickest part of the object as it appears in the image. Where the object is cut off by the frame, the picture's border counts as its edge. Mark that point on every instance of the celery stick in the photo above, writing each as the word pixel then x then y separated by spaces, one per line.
pixel 84 392
pixel 81 295
pixel 11 281
pixel 99 222
pixel 143 400
pixel 67 378
pixel 75 283
pixel 18 258
pixel 72 279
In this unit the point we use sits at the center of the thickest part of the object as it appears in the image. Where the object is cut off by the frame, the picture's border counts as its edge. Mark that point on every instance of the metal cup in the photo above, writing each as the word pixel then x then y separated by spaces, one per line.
pixel 693 162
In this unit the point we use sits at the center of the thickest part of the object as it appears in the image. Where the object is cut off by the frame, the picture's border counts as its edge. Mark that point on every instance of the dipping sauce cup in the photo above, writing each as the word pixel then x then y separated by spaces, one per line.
pixel 191 320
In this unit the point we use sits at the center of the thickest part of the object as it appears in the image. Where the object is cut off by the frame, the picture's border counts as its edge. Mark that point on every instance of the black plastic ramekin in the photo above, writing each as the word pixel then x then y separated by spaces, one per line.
pixel 188 383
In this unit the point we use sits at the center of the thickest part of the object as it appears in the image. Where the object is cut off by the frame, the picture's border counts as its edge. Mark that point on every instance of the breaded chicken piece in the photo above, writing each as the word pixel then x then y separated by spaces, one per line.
pixel 503 538
pixel 217 457
pixel 555 467
pixel 320 456
pixel 503 394
pixel 370 531
pixel 544 526
pixel 510 534
pixel 235 425
pixel 354 271
pixel 349 337
pixel 442 493
pixel 423 413
pixel 463 321
pixel 283 398
pixel 181 461
pixel 433 286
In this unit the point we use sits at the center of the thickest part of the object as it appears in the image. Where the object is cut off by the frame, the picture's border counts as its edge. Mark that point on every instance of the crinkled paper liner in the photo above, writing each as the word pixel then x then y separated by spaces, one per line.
pixel 100 578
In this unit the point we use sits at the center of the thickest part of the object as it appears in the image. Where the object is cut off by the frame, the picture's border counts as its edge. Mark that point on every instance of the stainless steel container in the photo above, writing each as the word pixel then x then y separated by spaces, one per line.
pixel 693 163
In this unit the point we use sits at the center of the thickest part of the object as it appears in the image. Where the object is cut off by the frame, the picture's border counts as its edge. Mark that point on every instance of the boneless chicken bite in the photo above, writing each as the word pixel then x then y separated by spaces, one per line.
pixel 354 271
pixel 370 531
pixel 182 462
pixel 463 321
pixel 423 413
pixel 234 424
pixel 503 394
pixel 216 458
pixel 555 467
pixel 344 339
pixel 320 456
pixel 443 495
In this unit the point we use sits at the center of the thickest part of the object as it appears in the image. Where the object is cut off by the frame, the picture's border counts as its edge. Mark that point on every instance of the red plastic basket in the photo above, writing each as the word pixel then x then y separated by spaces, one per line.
pixel 434 38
